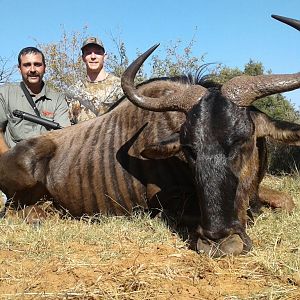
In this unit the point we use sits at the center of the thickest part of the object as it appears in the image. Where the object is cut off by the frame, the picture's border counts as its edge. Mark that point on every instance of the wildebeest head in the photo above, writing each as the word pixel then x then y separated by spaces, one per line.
pixel 219 141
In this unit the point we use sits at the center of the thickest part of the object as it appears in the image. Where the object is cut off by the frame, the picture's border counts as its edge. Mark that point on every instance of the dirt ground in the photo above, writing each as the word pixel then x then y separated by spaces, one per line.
pixel 142 259
pixel 155 272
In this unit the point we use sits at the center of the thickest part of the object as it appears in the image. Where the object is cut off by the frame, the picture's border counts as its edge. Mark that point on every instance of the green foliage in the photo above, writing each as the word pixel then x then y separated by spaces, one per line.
pixel 253 68
pixel 178 60
pixel 221 74
pixel 278 107
pixel 283 159
pixel 5 72
pixel 117 63
pixel 65 67
pixel 63 60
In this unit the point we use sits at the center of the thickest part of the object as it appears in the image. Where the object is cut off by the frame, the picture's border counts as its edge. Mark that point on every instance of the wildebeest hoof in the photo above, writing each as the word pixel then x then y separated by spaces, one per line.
pixel 232 245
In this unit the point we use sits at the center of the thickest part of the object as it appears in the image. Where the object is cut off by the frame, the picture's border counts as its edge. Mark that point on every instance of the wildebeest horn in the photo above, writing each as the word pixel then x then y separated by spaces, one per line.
pixel 245 89
pixel 292 22
pixel 181 101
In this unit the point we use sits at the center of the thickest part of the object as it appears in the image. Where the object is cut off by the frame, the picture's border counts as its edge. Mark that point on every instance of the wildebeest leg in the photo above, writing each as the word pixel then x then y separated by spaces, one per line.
pixel 263 195
pixel 278 130
pixel 276 199
pixel 23 206
pixel 270 198
pixel 22 176
pixel 23 171
pixel 26 208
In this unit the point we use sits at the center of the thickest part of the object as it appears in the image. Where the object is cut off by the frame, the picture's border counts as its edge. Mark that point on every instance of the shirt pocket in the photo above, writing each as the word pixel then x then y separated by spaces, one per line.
pixel 48 115
pixel 13 121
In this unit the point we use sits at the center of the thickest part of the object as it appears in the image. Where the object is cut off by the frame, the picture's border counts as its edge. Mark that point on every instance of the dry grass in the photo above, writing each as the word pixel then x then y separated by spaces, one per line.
pixel 139 258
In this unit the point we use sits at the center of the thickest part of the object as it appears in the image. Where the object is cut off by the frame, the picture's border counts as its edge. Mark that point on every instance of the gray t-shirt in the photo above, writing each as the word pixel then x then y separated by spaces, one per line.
pixel 51 105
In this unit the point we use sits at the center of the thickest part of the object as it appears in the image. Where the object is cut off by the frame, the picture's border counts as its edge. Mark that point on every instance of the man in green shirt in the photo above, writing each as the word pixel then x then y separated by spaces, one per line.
pixel 50 104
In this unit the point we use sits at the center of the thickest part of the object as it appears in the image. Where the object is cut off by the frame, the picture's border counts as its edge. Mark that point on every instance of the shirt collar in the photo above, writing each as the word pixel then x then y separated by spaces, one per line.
pixel 42 95
pixel 95 82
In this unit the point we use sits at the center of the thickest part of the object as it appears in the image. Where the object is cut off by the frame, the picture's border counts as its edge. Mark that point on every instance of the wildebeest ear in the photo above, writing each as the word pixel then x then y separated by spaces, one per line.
pixel 164 148
pixel 282 131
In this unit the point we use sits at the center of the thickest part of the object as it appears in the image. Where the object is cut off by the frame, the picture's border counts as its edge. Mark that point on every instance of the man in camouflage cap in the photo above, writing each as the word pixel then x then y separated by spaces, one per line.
pixel 95 94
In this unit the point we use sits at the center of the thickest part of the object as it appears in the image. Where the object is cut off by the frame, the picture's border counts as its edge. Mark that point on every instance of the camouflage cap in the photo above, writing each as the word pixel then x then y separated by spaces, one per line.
pixel 93 41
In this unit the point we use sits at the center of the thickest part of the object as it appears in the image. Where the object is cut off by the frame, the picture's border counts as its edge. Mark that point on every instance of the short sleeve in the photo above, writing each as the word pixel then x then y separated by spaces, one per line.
pixel 3 115
pixel 61 114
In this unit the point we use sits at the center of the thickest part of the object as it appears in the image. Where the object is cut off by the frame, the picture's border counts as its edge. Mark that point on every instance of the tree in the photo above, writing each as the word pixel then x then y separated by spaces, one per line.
pixel 117 62
pixel 178 60
pixel 65 67
pixel 5 71
pixel 63 60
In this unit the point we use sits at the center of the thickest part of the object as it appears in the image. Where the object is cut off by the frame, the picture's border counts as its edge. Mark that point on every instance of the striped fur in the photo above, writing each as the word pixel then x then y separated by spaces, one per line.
pixel 96 166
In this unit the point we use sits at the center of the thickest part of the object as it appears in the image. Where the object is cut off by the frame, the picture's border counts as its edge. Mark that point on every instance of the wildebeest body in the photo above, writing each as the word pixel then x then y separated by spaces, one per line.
pixel 96 166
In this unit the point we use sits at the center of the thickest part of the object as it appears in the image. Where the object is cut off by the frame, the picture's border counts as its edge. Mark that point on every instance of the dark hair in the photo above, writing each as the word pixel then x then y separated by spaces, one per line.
pixel 28 50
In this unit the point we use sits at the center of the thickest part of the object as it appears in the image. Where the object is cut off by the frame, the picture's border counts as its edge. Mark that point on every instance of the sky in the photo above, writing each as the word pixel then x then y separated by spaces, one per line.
pixel 230 32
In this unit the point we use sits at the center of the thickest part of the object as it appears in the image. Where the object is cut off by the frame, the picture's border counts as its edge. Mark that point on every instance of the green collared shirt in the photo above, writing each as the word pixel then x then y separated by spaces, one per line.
pixel 51 105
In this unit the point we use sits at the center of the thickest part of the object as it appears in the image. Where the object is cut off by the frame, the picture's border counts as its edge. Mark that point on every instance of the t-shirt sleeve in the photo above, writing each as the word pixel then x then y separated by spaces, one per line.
pixel 3 116
pixel 61 114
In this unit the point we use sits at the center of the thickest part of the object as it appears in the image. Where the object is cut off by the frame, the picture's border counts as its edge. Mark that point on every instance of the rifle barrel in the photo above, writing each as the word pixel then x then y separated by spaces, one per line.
pixel 35 119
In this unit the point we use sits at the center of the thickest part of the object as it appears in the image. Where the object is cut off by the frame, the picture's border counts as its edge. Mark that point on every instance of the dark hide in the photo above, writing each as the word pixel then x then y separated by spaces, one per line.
pixel 222 136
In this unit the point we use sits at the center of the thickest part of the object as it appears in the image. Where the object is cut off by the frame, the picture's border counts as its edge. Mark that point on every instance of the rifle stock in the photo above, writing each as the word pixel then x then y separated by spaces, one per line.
pixel 35 119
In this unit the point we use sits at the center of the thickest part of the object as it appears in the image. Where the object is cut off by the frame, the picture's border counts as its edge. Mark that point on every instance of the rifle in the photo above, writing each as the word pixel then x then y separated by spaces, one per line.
pixel 38 120
pixel 84 101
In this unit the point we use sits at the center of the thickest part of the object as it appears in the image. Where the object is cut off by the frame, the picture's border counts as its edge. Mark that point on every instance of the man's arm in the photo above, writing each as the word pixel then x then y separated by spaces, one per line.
pixel 3 146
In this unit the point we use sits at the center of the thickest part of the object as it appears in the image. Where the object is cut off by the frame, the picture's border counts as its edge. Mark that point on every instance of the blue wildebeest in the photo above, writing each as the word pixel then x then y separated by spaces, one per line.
pixel 182 147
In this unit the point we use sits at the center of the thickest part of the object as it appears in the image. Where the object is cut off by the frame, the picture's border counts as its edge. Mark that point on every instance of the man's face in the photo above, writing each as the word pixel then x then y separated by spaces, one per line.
pixel 93 56
pixel 32 69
